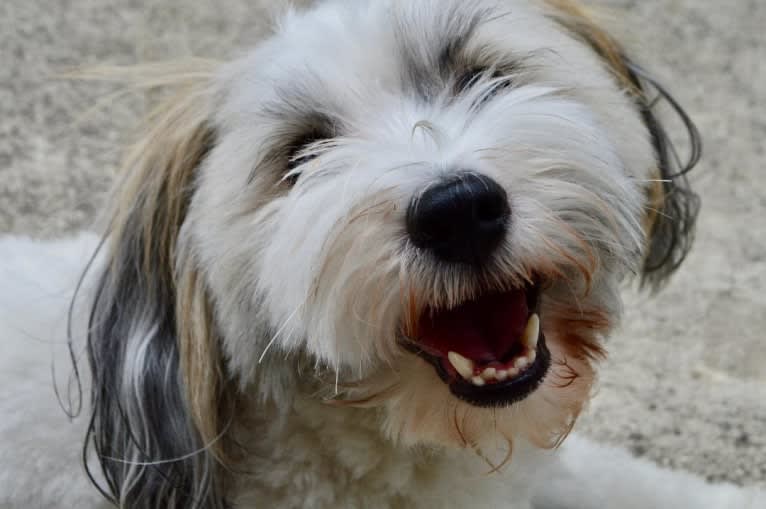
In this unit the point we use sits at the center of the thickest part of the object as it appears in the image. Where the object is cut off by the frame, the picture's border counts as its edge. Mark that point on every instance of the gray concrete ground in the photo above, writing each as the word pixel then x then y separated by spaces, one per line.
pixel 685 384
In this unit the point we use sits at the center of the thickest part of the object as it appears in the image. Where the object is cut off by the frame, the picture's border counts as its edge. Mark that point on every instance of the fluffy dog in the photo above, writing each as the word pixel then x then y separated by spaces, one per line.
pixel 372 264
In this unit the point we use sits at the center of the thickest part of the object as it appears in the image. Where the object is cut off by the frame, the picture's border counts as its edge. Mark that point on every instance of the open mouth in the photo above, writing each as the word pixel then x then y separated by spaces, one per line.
pixel 490 351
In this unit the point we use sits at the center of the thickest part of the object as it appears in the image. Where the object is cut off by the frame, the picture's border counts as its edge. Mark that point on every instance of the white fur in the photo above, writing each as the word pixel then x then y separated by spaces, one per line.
pixel 41 458
pixel 42 449
pixel 308 285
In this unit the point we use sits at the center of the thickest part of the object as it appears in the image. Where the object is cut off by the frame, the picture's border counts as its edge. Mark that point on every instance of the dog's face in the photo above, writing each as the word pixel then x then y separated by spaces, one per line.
pixel 435 198
pixel 431 204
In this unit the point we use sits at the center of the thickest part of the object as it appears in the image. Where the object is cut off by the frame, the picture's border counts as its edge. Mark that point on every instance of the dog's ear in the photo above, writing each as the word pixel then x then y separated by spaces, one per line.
pixel 671 206
pixel 159 401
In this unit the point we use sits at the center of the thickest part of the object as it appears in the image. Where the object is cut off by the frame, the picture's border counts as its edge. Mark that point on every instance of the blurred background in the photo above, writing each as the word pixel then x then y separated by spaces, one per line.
pixel 685 383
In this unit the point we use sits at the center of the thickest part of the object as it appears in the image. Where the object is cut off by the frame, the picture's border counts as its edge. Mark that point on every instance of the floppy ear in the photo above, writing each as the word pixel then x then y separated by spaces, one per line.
pixel 671 206
pixel 159 395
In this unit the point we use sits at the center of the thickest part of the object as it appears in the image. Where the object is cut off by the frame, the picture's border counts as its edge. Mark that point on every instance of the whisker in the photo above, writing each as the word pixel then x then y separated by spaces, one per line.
pixel 278 333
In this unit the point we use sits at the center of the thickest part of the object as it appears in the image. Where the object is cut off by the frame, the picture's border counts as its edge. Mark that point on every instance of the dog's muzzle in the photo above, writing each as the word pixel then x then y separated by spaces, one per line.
pixel 490 350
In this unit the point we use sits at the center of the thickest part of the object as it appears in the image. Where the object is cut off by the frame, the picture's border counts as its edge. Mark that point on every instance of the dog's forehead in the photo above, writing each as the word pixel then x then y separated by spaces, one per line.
pixel 338 46
pixel 399 35
pixel 420 27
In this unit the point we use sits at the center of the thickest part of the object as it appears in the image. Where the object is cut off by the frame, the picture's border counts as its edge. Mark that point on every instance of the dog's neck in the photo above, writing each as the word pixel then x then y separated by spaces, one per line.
pixel 292 459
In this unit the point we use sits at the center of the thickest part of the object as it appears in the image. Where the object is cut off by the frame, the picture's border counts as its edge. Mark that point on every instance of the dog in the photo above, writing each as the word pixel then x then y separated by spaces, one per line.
pixel 372 263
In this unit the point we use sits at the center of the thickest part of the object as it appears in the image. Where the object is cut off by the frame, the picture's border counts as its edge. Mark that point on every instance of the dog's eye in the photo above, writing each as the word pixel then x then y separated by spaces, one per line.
pixel 471 77
pixel 468 79
pixel 296 152
pixel 297 156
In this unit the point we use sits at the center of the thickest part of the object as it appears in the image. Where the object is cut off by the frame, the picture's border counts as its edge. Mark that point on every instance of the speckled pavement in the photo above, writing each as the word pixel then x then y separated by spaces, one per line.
pixel 685 384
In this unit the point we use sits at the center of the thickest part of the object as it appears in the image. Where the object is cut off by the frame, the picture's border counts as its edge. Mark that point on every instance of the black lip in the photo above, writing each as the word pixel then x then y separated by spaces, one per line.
pixel 498 394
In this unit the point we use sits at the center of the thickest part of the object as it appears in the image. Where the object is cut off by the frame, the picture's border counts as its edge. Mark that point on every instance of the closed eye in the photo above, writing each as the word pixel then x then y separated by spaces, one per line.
pixel 299 153
pixel 294 142
pixel 479 75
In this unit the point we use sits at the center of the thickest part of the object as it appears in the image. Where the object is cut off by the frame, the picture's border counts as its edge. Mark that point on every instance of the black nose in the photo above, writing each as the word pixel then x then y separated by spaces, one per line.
pixel 462 220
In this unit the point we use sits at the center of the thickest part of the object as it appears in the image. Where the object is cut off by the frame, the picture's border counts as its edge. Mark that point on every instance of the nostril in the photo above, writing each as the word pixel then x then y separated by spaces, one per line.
pixel 463 219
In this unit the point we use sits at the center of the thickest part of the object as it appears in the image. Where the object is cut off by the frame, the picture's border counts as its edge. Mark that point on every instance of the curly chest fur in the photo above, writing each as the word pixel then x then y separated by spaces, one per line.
pixel 295 462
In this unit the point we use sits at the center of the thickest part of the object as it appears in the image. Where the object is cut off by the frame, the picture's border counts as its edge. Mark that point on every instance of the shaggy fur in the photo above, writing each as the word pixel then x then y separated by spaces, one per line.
pixel 302 462
pixel 256 301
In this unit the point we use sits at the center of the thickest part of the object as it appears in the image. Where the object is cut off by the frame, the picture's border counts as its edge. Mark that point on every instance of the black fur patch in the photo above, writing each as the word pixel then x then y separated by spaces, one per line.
pixel 672 234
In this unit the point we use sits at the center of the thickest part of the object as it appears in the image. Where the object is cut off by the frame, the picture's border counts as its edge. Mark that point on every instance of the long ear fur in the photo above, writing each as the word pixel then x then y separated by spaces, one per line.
pixel 672 206
pixel 159 404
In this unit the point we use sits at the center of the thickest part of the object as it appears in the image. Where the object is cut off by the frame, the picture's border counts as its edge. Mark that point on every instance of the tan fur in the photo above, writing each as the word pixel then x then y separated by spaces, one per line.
pixel 577 20
pixel 656 198
pixel 210 395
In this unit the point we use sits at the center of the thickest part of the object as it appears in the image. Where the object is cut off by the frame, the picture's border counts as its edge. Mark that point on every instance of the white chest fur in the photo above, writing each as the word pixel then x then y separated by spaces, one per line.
pixel 296 462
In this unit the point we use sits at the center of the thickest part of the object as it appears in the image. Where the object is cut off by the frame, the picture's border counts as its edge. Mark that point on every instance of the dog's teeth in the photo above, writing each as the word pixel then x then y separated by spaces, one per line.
pixel 512 372
pixel 461 364
pixel 531 355
pixel 521 363
pixel 531 332
pixel 489 374
pixel 501 374
pixel 477 381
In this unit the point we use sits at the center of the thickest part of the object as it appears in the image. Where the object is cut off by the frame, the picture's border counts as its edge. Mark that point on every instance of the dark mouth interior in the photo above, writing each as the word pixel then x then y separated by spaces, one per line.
pixel 490 350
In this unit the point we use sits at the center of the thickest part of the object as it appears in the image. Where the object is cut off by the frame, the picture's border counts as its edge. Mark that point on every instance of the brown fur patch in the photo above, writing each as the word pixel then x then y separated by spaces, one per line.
pixel 655 203
pixel 210 395
pixel 576 19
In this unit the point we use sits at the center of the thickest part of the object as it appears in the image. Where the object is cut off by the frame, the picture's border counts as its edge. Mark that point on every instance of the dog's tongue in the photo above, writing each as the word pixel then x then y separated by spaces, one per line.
pixel 483 330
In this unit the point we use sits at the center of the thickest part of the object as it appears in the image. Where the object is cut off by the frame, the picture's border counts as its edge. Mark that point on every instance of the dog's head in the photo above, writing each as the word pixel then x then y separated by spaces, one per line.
pixel 427 206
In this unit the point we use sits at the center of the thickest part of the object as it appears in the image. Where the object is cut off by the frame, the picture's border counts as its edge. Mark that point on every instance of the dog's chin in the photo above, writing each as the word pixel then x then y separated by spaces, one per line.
pixel 489 350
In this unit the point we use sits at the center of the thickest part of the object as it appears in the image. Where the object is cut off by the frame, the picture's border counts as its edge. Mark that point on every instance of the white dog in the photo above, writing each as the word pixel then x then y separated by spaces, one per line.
pixel 370 264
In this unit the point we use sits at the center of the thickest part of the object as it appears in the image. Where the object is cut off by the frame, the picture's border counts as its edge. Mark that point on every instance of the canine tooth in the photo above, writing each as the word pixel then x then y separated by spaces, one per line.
pixel 531 355
pixel 501 374
pixel 521 363
pixel 531 332
pixel 461 364
pixel 489 374
pixel 477 381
